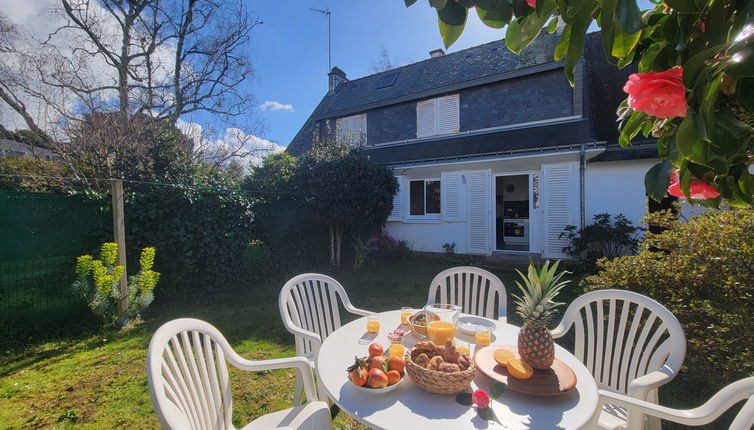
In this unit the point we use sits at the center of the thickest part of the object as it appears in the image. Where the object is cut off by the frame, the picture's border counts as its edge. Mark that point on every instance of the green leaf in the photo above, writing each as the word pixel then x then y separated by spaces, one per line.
pixel 745 93
pixel 624 43
pixel 489 5
pixel 746 183
pixel 409 2
pixel 690 141
pixel 560 49
pixel 607 23
pixel 438 4
pixel 576 42
pixel 710 98
pixel 498 17
pixel 742 62
pixel 497 390
pixel 464 399
pixel 685 178
pixel 657 180
pixel 552 26
pixel 453 13
pixel 520 34
pixel 449 33
pixel 646 63
pixel 488 414
pixel 631 128
pixel 629 16
pixel 693 68
pixel 685 6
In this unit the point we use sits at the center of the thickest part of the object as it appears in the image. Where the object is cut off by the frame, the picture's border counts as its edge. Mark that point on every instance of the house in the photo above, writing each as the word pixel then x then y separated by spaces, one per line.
pixel 12 148
pixel 493 151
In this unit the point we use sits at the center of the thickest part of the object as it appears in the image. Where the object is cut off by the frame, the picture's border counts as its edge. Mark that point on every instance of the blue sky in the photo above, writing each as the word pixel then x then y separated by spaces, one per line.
pixel 289 51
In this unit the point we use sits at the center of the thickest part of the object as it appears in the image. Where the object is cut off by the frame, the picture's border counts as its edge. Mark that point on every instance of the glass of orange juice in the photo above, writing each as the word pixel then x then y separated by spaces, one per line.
pixel 373 323
pixel 482 335
pixel 441 322
pixel 396 345
pixel 463 346
pixel 406 313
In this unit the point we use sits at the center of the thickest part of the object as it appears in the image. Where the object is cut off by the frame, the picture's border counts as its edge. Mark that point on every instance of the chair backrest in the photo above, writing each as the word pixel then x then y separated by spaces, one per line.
pixel 475 290
pixel 188 376
pixel 310 302
pixel 622 335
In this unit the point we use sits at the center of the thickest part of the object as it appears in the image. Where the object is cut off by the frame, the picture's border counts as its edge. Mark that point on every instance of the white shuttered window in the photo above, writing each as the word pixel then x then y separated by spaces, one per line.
pixel 352 129
pixel 397 213
pixel 437 116
pixel 452 200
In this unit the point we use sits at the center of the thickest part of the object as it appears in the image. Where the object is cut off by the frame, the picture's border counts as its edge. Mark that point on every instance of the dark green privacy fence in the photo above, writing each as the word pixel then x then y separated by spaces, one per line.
pixel 208 240
pixel 41 234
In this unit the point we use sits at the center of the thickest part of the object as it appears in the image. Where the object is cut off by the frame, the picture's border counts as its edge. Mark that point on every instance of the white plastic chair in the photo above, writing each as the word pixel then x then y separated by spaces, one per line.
pixel 188 381
pixel 629 342
pixel 704 414
pixel 472 288
pixel 309 308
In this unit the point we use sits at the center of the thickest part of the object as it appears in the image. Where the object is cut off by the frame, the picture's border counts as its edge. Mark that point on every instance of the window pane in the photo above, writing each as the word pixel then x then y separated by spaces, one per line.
pixel 433 197
pixel 416 195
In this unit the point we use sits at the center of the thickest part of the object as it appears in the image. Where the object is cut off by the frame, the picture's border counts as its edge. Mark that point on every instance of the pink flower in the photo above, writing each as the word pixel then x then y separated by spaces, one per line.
pixel 532 3
pixel 481 399
pixel 660 94
pixel 699 189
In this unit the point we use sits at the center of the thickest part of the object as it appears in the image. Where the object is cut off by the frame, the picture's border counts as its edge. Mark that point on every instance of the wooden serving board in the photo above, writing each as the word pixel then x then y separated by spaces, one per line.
pixel 556 380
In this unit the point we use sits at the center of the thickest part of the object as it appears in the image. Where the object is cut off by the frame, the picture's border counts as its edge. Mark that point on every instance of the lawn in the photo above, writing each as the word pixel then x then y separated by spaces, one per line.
pixel 99 380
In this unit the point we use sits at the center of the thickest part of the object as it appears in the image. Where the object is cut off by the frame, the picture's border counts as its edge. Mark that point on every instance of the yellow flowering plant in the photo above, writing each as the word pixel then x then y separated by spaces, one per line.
pixel 97 282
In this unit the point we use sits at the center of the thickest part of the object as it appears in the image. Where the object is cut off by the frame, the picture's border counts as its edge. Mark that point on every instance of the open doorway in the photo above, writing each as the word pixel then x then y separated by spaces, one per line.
pixel 512 213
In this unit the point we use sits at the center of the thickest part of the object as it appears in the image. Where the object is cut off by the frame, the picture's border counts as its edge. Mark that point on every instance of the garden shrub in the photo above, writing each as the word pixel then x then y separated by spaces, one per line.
pixel 258 258
pixel 702 270
pixel 605 237
pixel 98 283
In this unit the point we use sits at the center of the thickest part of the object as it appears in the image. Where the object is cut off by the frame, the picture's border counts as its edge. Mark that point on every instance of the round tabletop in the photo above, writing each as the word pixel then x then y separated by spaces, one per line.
pixel 408 406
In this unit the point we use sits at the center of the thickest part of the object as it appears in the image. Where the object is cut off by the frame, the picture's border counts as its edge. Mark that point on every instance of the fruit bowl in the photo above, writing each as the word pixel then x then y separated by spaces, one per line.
pixel 387 389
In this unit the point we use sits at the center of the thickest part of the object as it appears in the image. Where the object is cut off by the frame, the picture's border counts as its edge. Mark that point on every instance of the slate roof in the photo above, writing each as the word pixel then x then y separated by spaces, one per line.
pixel 481 64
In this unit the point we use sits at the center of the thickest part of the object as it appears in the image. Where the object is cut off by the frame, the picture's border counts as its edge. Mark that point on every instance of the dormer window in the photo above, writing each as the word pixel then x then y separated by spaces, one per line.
pixel 352 129
pixel 437 116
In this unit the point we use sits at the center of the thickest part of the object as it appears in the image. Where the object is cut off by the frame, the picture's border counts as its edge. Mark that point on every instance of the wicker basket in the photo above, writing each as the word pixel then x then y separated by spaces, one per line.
pixel 438 382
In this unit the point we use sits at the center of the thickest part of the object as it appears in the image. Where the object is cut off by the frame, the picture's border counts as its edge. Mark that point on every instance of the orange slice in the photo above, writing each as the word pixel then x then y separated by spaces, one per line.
pixel 502 356
pixel 464 350
pixel 519 369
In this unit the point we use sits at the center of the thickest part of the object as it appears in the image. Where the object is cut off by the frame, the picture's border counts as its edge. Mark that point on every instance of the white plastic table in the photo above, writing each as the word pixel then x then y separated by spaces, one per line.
pixel 409 407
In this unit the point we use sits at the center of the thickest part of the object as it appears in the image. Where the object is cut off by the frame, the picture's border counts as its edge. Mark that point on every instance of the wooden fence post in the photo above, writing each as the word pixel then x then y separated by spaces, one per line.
pixel 119 229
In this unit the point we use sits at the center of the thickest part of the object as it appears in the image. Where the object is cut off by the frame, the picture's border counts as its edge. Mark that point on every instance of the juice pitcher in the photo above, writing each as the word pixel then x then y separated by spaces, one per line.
pixel 441 322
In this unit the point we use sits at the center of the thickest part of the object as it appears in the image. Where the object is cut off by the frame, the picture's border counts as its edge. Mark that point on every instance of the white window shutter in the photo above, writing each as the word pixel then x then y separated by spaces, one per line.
pixel 426 119
pixel 451 196
pixel 558 185
pixel 447 114
pixel 478 211
pixel 397 213
pixel 353 128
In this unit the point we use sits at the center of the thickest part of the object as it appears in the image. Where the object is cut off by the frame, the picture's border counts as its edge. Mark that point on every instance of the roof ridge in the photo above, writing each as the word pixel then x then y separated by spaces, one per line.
pixel 424 60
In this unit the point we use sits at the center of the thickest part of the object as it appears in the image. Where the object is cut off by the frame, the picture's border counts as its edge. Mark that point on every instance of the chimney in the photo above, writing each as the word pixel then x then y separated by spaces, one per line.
pixel 436 53
pixel 336 77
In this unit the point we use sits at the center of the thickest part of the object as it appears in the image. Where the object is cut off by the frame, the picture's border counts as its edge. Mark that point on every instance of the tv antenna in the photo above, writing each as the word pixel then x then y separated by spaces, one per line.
pixel 327 13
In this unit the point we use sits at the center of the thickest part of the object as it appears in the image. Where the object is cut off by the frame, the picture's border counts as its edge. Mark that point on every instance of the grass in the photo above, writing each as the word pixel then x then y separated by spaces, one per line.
pixel 98 380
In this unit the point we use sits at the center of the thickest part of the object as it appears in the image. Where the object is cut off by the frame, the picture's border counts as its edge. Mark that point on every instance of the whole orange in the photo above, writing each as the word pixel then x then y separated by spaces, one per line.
pixel 396 363
pixel 393 376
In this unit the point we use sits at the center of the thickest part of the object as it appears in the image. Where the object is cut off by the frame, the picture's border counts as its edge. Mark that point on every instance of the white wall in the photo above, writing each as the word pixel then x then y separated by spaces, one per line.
pixel 429 236
pixel 617 187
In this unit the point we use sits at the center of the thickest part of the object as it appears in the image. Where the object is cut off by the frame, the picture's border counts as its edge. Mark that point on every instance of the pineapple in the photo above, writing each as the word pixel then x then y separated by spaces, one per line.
pixel 536 306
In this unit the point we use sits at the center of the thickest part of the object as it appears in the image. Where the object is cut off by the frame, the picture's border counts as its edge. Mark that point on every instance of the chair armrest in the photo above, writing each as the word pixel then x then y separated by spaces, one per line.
pixel 561 329
pixel 354 310
pixel 692 417
pixel 641 387
pixel 300 363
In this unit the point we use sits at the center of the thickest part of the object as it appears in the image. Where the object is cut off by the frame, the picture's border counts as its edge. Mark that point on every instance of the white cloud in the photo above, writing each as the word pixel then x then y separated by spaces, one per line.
pixel 249 149
pixel 275 106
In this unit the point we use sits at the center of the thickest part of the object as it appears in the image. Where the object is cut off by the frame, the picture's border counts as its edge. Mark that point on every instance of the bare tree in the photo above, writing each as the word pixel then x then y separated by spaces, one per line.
pixel 163 58
pixel 383 62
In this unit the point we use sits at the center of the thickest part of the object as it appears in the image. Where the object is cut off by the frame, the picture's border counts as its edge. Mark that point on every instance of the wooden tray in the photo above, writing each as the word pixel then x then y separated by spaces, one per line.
pixel 557 380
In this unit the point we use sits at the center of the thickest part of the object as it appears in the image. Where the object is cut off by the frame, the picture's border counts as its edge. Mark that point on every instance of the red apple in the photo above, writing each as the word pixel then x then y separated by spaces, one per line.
pixel 376 379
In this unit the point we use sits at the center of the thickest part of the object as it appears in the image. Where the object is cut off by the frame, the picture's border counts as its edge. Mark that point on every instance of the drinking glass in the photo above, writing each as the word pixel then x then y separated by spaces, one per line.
pixel 482 335
pixel 463 346
pixel 373 323
pixel 441 322
pixel 396 347
pixel 406 312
